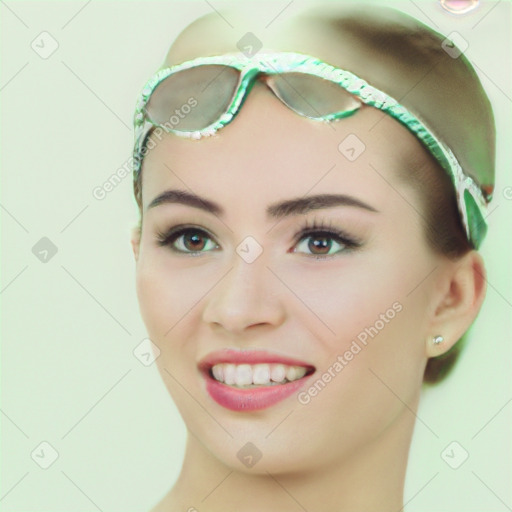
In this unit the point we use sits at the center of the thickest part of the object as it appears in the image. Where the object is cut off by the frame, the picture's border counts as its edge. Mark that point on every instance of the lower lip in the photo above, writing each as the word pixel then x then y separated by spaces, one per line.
pixel 251 399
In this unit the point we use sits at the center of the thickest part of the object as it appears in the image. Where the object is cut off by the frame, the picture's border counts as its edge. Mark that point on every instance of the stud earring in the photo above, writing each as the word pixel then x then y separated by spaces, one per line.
pixel 437 339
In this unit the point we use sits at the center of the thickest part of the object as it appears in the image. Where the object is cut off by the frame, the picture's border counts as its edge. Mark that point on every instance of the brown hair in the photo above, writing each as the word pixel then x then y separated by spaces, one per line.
pixel 443 231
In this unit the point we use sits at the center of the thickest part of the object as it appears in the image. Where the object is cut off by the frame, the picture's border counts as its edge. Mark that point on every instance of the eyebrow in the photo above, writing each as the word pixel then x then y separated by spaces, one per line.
pixel 295 206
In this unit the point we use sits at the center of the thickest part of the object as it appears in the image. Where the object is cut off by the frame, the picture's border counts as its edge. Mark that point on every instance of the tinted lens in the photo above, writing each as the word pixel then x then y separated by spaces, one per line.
pixel 312 96
pixel 194 98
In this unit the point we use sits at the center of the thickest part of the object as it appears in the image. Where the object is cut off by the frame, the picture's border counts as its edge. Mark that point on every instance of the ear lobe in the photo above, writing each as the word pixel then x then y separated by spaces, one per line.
pixel 465 287
pixel 135 241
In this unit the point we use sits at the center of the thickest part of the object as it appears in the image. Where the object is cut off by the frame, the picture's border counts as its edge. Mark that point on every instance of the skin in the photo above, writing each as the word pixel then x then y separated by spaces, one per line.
pixel 354 436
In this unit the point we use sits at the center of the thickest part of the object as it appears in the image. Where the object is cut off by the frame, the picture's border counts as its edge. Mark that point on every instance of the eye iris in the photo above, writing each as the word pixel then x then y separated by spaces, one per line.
pixel 194 238
pixel 322 243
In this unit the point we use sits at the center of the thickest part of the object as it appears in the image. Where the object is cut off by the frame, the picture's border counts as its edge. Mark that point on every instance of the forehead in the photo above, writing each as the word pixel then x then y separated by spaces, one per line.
pixel 269 151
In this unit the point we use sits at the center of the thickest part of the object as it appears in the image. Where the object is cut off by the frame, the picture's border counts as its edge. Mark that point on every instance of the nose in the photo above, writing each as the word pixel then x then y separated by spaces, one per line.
pixel 247 296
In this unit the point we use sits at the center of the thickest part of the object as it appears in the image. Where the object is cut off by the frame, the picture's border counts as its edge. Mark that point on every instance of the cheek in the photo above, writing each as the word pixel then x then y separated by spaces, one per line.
pixel 370 367
pixel 171 293
pixel 369 315
pixel 344 300
pixel 164 294
pixel 166 300
pixel 152 297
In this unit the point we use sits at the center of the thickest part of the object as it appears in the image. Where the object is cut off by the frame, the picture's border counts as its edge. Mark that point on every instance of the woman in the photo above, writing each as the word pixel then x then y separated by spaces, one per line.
pixel 307 248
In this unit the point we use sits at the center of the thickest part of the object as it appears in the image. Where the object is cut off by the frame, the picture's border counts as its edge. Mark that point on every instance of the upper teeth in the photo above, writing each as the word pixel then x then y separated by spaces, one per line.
pixel 258 374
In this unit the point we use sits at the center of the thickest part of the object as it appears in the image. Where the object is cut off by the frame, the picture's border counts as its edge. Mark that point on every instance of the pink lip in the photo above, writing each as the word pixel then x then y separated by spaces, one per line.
pixel 255 398
pixel 248 357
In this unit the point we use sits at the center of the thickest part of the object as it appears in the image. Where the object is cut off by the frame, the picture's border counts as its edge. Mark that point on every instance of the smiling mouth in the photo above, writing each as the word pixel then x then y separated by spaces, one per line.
pixel 252 380
pixel 261 375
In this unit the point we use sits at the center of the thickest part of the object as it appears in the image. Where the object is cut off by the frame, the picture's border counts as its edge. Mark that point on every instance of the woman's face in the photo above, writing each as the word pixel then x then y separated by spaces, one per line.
pixel 354 308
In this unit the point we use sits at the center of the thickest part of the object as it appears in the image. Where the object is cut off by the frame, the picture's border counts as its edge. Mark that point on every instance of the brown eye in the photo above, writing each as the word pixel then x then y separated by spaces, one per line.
pixel 193 242
pixel 188 241
pixel 320 244
pixel 322 240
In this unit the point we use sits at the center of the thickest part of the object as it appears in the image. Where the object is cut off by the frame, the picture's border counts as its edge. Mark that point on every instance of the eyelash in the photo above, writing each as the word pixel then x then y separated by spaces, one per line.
pixel 318 228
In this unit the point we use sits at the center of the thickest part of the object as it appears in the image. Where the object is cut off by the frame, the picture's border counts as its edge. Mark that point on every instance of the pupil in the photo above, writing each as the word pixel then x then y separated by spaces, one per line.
pixel 320 243
pixel 195 240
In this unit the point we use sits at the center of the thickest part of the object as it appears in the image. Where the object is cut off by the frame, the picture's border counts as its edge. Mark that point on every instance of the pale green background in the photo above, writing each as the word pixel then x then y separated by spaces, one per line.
pixel 69 326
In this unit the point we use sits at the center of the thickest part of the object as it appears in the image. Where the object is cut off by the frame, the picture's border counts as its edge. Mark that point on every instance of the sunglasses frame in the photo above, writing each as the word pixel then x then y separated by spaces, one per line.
pixel 471 199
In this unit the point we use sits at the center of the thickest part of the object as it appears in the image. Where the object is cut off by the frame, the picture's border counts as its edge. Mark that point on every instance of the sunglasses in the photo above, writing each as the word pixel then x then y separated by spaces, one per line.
pixel 197 98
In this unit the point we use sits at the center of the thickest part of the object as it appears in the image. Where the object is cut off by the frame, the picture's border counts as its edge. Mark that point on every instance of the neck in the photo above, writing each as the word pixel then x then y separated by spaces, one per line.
pixel 370 479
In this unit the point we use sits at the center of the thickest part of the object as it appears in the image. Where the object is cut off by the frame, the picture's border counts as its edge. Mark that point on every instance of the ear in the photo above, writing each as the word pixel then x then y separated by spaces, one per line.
pixel 135 241
pixel 462 286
